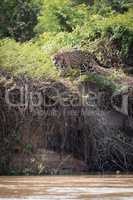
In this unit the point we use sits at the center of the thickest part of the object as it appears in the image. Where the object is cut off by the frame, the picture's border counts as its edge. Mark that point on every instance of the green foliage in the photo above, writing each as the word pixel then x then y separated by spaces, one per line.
pixel 61 15
pixel 64 25
pixel 34 58
pixel 101 7
pixel 13 172
pixel 26 58
pixel 108 7
pixel 118 28
pixel 18 18
pixel 120 6
pixel 77 2
pixel 122 36
pixel 28 148
pixel 100 81
pixel 108 82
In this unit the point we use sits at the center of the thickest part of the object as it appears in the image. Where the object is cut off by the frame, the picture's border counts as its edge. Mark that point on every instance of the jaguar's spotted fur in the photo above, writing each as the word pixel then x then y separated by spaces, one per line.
pixel 76 59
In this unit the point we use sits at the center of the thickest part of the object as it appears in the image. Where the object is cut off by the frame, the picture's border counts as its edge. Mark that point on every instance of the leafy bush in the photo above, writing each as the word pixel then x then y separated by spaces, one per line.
pixel 123 37
pixel 27 59
pixel 120 6
pixel 18 18
pixel 107 7
pixel 101 7
pixel 118 28
pixel 61 15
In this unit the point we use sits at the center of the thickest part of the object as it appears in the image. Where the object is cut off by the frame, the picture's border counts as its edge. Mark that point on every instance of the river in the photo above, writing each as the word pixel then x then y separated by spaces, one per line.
pixel 93 187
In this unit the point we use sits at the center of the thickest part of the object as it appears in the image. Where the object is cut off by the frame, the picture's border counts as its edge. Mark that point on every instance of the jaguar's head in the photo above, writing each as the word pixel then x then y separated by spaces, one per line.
pixel 59 61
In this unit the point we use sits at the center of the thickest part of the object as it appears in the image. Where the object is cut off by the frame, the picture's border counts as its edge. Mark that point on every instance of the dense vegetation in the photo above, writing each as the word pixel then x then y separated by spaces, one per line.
pixel 32 30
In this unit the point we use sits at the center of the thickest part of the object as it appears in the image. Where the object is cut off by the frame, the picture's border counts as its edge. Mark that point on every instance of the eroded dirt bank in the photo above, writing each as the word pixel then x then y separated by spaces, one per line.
pixel 59 128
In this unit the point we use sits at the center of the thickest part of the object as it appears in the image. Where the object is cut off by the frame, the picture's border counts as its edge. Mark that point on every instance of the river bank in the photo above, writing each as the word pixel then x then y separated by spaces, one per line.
pixel 68 129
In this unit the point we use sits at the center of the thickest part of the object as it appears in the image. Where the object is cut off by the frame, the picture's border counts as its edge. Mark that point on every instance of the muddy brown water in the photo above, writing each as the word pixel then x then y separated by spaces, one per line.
pixel 107 187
